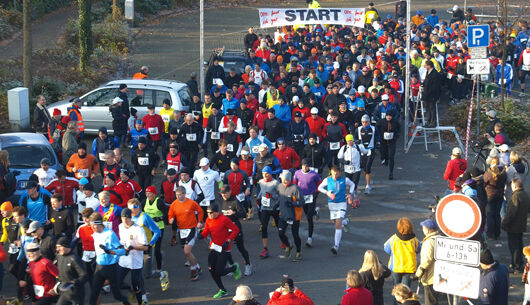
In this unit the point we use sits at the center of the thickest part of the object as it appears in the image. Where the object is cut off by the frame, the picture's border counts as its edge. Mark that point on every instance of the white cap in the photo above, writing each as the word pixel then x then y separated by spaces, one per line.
pixel 456 151
pixel 455 7
pixel 491 113
pixel 336 65
pixel 295 98
pixel 460 76
pixel 504 148
pixel 219 82
pixel 204 161
pixel 365 118
pixel 286 175
pixel 314 110
pixel 263 146
pixel 361 89
pixel 116 100
pixel 245 152
pixel 385 97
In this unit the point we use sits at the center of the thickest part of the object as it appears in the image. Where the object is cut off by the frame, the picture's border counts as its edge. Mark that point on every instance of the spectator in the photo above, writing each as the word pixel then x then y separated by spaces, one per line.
pixel 69 142
pixel 403 248
pixel 425 271
pixel 404 295
pixel 374 274
pixel 494 182
pixel 41 116
pixel 243 296
pixel 494 280
pixel 288 294
pixel 455 167
pixel 356 294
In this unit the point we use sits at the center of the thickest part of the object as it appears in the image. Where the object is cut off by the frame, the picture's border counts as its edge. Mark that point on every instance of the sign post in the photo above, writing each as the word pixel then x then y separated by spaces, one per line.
pixel 478 37
pixel 456 258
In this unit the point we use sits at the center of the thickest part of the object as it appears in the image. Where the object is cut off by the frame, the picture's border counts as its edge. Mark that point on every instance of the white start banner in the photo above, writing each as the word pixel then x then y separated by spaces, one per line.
pixel 271 17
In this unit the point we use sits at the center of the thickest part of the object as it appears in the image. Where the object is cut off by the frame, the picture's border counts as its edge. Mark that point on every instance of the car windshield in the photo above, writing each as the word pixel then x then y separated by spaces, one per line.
pixel 28 156
pixel 238 65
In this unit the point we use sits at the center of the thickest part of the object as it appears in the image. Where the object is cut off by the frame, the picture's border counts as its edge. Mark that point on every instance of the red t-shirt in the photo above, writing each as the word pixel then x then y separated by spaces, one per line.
pixel 218 229
pixel 84 233
pixel 66 189
pixel 155 125
pixel 43 274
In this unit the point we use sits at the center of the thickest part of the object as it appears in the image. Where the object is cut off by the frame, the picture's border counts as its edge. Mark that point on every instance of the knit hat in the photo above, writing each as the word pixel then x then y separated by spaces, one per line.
pixel 486 257
pixel 64 241
pixel 349 137
pixel 6 206
pixel 126 212
pixel 151 189
pixel 56 111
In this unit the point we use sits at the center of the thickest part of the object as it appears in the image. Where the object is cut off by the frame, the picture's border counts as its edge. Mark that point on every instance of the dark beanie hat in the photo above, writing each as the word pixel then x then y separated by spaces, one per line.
pixel 486 257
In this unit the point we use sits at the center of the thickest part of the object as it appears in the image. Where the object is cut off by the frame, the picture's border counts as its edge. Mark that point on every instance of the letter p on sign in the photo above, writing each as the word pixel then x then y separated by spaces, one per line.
pixel 478 36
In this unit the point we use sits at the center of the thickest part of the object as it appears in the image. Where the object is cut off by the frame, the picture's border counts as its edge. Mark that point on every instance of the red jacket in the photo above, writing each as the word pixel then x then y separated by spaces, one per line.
pixel 127 190
pixel 167 189
pixel 357 296
pixel 236 180
pixel 306 112
pixel 66 189
pixel 316 125
pixel 247 166
pixel 259 119
pixel 296 298
pixel 43 274
pixel 218 229
pixel 288 157
pixel 117 196
pixel 454 168
pixel 155 125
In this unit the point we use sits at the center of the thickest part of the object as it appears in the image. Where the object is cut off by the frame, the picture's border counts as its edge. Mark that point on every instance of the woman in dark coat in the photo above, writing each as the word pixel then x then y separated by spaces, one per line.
pixel 494 182
pixel 374 274
pixel 119 120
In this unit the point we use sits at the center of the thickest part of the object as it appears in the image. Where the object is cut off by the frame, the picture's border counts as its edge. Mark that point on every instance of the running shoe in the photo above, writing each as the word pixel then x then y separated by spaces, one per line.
pixel 106 288
pixel 221 293
pixel 164 280
pixel 173 241
pixel 273 223
pixel 298 257
pixel 521 94
pixel 282 246
pixel 186 264
pixel 248 270
pixel 194 275
pixel 288 250
pixel 264 253
pixel 334 250
pixel 368 190
pixel 345 223
pixel 260 228
pixel 237 272
pixel 309 242
pixel 317 213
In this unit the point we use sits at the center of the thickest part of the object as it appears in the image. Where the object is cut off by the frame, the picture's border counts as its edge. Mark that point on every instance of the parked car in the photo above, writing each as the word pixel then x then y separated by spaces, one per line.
pixel 229 59
pixel 95 109
pixel 26 150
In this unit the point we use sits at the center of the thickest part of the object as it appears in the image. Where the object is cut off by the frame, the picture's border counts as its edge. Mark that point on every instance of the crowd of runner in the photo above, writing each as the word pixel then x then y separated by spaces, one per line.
pixel 306 120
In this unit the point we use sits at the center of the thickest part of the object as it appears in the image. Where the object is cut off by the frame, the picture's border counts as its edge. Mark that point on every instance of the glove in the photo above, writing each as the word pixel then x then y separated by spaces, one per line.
pixel 83 203
pixel 149 247
pixel 105 249
pixel 413 277
pixel 268 195
pixel 225 245
pixel 200 235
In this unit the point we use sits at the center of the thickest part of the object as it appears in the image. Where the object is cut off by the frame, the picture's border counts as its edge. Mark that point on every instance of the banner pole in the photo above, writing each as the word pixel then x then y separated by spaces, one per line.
pixel 407 79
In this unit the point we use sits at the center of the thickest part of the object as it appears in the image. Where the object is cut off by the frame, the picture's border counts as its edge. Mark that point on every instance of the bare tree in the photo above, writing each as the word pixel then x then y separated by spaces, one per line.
pixel 28 48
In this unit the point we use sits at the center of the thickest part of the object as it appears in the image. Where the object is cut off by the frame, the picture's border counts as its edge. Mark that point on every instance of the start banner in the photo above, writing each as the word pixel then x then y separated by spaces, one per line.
pixel 270 17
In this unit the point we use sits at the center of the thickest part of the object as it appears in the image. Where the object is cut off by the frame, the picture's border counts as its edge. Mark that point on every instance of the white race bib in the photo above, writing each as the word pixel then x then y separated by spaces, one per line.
pixel 273 145
pixel 143 161
pixel 230 147
pixel 153 130
pixel 88 256
pixel 334 145
pixel 39 290
pixel 184 233
pixel 243 130
pixel 204 203
pixel 108 224
pixel 83 172
pixel 250 180
pixel 308 198
pixel 266 202
pixel 348 169
pixel 240 197
pixel 449 75
pixel 215 135
pixel 216 248
pixel 526 67
pixel 383 115
pixel 388 135
pixel 196 113
pixel 335 214
pixel 192 137
pixel 226 212
pixel 165 118
pixel 102 157
pixel 176 167
pixel 222 175
pixel 255 149
pixel 314 169
pixel 13 249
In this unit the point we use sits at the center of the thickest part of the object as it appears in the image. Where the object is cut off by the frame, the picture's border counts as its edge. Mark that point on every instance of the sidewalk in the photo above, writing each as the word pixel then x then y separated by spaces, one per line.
pixel 45 32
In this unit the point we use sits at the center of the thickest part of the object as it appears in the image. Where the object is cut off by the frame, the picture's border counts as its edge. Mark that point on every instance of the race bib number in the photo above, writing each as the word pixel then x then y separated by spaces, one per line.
pixel 255 149
pixel 102 157
pixel 266 202
pixel 308 198
pixel 88 256
pixel 250 180
pixel 216 248
pixel 348 169
pixel 230 147
pixel 215 135
pixel 314 169
pixel 143 161
pixel 196 113
pixel 192 137
pixel 335 214
pixel 222 175
pixel 153 130
pixel 243 130
pixel 13 249
pixel 383 115
pixel 226 212
pixel 83 172
pixel 526 67
pixel 39 290
pixel 334 145
pixel 175 167
pixel 184 233
pixel 273 145
pixel 108 224
pixel 165 118
pixel 204 203
pixel 240 197
pixel 449 75
pixel 388 135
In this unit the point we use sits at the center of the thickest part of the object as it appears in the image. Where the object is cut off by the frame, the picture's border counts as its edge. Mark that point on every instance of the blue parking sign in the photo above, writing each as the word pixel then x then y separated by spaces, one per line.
pixel 478 35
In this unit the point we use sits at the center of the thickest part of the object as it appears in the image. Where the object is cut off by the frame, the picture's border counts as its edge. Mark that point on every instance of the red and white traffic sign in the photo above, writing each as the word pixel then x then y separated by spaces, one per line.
pixel 458 216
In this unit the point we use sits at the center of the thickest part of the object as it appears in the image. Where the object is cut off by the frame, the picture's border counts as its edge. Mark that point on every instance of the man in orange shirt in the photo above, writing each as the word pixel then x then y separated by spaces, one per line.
pixel 183 210
pixel 83 165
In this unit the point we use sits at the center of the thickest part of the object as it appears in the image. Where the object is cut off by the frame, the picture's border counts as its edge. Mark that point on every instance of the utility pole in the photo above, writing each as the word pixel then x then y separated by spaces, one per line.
pixel 28 48
pixel 201 51
pixel 407 79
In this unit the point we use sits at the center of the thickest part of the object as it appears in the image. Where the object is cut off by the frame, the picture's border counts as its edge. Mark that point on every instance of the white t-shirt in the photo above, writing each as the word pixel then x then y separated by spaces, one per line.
pixel 190 193
pixel 90 202
pixel 132 236
pixel 207 180
pixel 45 176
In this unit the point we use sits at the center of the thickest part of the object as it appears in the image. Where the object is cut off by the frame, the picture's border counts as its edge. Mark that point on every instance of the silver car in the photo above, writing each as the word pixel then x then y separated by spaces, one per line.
pixel 95 109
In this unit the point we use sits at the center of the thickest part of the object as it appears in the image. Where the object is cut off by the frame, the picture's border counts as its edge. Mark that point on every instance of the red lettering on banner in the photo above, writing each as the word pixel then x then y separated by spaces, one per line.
pixel 274 13
pixel 358 13
pixel 348 19
pixel 266 21
pixel 357 19
pixel 348 12
pixel 274 20
pixel 263 14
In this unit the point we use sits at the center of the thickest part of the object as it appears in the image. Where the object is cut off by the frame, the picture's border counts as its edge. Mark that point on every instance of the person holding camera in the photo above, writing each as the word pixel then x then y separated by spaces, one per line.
pixel 72 274
pixel 288 294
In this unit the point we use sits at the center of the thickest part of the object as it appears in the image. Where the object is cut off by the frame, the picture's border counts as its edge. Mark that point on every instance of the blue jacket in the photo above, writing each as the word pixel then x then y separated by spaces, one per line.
pixel 110 240
pixel 251 143
pixel 496 281
pixel 380 109
pixel 230 104
pixel 319 92
pixel 222 89
pixel 149 223
pixel 283 112
pixel 433 20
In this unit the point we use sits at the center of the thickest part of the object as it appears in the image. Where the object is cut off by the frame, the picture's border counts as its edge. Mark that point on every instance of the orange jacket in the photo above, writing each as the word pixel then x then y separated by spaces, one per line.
pixel 87 163
pixel 184 212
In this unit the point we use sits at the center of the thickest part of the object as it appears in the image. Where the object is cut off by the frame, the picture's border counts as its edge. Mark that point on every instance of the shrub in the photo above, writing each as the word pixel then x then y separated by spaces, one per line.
pixel 50 88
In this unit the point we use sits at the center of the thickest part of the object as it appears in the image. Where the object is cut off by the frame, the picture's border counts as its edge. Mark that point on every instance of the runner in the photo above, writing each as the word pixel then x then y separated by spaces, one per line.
pixel 222 231
pixel 290 207
pixel 182 211
pixel 267 203
pixel 350 157
pixel 72 274
pixel 388 135
pixel 315 153
pixel 366 134
pixel 334 187
pixel 84 234
pixel 109 212
pixel 308 181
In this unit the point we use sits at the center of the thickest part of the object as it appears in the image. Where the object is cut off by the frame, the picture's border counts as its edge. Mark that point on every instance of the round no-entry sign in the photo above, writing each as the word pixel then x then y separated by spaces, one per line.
pixel 458 216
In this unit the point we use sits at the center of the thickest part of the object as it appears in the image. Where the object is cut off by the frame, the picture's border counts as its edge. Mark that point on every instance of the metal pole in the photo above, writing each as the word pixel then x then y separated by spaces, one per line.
pixel 478 104
pixel 407 79
pixel 201 50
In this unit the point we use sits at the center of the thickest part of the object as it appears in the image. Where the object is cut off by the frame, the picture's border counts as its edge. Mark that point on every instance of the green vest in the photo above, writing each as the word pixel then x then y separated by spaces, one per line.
pixel 152 210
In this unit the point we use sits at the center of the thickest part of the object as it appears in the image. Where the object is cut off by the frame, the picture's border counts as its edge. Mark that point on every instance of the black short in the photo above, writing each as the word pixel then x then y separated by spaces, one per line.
pixel 190 239
pixel 522 75
pixel 366 162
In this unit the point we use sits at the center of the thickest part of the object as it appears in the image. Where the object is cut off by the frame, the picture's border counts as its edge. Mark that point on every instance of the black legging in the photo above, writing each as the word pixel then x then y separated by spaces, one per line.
pixel 240 243
pixel 309 210
pixel 158 252
pixel 76 296
pixel 388 151
pixel 282 227
pixel 217 266
pixel 137 281
pixel 144 180
pixel 265 216
pixel 110 273
pixel 353 177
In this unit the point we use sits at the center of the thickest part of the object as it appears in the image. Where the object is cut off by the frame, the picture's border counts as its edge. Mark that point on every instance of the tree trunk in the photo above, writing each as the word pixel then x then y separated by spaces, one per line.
pixel 28 48
pixel 115 10
pixel 85 34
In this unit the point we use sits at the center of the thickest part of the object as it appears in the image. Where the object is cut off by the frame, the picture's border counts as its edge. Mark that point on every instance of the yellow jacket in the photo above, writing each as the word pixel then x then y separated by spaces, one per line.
pixel 403 253
pixel 166 115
